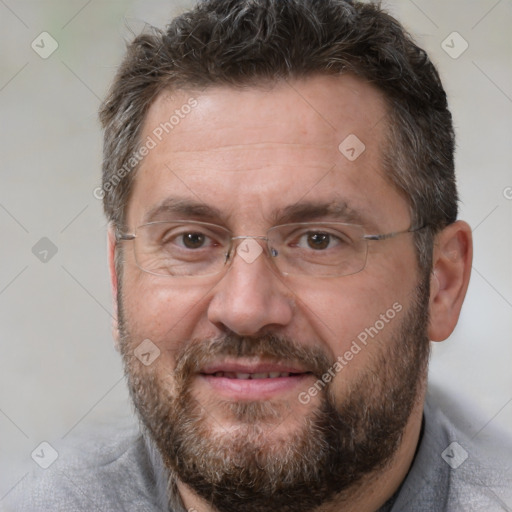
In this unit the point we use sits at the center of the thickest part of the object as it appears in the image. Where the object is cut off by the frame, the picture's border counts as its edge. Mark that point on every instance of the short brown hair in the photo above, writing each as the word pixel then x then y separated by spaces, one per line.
pixel 238 42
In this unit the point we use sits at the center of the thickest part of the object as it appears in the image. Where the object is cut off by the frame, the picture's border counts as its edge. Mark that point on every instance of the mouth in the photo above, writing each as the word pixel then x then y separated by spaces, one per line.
pixel 254 376
pixel 253 381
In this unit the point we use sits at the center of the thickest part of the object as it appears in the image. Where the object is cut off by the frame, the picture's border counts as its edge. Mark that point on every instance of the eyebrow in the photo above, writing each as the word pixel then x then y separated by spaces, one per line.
pixel 305 211
pixel 334 209
pixel 178 207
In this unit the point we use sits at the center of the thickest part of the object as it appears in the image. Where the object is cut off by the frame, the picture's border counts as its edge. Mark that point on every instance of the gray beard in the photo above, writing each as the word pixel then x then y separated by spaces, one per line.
pixel 335 448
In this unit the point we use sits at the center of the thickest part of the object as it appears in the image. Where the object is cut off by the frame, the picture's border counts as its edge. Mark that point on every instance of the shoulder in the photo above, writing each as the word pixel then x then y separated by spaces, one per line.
pixel 459 465
pixel 109 470
pixel 479 458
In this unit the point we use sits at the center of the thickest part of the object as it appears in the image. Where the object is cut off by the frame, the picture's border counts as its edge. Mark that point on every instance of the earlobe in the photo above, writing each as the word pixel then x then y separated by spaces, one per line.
pixel 451 269
pixel 111 248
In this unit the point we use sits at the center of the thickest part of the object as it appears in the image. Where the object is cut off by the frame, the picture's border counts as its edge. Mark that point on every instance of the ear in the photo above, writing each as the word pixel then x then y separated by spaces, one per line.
pixel 451 269
pixel 111 248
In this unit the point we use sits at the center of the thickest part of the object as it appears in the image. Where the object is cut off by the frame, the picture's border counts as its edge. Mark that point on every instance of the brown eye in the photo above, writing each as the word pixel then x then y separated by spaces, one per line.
pixel 193 240
pixel 319 241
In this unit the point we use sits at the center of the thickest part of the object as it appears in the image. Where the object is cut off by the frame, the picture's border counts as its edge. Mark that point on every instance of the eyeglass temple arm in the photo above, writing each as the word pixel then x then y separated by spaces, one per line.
pixel 391 235
pixel 124 236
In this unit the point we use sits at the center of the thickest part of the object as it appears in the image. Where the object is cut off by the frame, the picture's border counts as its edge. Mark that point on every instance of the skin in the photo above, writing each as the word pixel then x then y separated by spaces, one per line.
pixel 248 153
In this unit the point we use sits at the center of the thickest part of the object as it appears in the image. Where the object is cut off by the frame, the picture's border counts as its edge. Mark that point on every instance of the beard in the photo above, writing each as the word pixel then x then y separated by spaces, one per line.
pixel 251 466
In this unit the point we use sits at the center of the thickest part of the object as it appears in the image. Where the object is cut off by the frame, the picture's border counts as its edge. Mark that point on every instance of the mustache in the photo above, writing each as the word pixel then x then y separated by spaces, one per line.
pixel 198 353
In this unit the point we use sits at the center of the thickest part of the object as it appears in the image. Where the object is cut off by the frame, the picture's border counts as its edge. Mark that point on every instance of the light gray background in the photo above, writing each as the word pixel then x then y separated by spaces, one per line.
pixel 59 372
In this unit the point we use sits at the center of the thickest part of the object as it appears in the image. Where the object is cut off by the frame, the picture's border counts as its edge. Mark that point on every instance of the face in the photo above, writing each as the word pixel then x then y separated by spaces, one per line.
pixel 269 384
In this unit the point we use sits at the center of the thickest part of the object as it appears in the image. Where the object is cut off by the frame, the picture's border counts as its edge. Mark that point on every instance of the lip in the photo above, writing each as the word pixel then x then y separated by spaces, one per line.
pixel 254 389
pixel 251 367
pixel 251 389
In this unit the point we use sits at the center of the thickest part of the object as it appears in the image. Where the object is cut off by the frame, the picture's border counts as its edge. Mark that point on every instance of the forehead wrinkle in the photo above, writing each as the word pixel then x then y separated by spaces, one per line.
pixel 253 146
pixel 201 167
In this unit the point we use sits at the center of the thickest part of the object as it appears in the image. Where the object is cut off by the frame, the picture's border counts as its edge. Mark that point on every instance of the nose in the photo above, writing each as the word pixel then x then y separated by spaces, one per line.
pixel 251 296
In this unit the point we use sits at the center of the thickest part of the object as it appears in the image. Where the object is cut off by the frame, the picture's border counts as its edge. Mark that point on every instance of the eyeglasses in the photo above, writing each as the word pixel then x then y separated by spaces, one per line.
pixel 186 248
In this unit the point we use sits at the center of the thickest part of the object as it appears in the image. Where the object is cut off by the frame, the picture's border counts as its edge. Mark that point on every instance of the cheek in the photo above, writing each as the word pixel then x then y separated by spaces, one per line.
pixel 341 309
pixel 165 312
pixel 356 318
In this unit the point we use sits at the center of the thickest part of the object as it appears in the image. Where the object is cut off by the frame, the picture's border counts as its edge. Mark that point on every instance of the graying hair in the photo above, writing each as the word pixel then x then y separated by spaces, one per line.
pixel 238 43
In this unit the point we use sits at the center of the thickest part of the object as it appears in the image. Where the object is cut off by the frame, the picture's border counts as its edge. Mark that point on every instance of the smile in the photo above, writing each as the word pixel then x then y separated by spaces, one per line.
pixel 248 376
pixel 250 380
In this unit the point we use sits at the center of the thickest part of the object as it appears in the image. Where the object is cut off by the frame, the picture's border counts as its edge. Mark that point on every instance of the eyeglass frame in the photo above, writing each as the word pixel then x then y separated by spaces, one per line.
pixel 126 237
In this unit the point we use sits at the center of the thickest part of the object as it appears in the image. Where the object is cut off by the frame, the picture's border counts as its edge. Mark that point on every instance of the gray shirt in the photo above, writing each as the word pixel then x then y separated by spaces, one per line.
pixel 121 472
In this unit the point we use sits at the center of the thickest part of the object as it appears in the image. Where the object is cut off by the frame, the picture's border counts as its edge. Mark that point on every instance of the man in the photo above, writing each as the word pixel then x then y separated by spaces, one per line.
pixel 283 246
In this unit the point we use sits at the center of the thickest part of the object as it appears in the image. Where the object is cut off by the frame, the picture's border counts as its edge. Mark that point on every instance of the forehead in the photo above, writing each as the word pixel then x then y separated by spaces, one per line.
pixel 318 110
pixel 252 150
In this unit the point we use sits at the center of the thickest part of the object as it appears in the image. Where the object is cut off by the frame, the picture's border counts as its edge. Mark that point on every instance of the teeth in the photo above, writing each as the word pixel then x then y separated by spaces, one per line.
pixel 246 376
